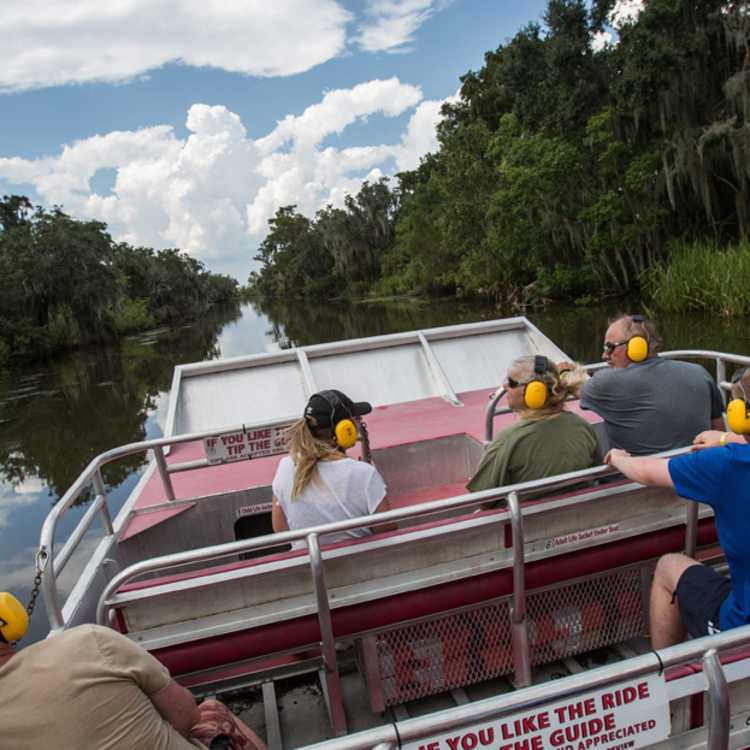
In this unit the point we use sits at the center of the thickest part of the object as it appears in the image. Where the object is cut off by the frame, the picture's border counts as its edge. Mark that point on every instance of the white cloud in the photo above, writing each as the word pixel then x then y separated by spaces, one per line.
pixel 13 497
pixel 212 193
pixel 89 40
pixel 625 11
pixel 391 23
pixel 600 40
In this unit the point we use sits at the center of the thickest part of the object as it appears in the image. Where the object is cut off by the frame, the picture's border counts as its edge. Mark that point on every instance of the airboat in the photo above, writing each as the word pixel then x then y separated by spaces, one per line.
pixel 517 628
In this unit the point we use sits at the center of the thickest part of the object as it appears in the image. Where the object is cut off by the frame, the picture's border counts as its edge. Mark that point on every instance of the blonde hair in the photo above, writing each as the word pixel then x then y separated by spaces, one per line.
pixel 563 380
pixel 307 448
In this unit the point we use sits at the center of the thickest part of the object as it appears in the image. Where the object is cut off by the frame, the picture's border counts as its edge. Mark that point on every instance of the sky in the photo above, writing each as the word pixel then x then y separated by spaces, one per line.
pixel 188 124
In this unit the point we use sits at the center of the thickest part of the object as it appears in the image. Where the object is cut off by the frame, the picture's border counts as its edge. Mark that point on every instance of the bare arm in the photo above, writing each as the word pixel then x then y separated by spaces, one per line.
pixel 177 705
pixel 278 517
pixel 716 438
pixel 382 508
pixel 649 471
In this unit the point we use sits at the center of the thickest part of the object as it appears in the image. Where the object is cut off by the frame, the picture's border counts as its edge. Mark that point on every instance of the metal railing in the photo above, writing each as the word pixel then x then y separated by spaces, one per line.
pixel 519 626
pixel 92 476
pixel 704 649
pixel 721 360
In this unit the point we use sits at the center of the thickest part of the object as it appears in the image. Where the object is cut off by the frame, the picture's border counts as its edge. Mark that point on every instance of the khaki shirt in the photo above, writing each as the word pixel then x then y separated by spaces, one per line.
pixel 534 449
pixel 88 688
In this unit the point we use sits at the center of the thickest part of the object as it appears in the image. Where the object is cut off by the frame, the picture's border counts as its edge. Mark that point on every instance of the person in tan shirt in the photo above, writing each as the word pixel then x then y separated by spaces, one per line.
pixel 90 687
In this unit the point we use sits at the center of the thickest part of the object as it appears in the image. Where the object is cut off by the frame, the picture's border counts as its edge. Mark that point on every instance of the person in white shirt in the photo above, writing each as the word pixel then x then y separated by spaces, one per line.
pixel 317 483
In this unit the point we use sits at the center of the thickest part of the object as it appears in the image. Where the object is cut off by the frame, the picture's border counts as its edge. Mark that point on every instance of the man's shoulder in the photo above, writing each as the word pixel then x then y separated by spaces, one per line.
pixel 678 367
pixel 605 380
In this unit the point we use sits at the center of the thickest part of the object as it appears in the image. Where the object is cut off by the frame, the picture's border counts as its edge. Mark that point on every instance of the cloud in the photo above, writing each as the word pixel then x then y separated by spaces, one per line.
pixel 212 193
pixel 391 24
pixel 88 40
pixel 625 11
pixel 600 40
pixel 22 494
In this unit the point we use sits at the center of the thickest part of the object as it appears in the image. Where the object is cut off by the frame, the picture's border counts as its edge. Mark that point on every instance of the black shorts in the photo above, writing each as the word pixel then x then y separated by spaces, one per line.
pixel 700 593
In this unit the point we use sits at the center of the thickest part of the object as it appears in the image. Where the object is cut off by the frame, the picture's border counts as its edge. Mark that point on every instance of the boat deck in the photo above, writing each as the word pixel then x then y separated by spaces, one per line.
pixel 388 427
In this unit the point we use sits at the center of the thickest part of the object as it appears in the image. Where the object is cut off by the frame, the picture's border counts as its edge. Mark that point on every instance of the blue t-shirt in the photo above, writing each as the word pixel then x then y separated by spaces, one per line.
pixel 720 477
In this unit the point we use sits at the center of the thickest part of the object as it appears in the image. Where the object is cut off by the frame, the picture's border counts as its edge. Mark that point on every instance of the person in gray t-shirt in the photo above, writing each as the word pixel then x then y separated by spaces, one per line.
pixel 649 404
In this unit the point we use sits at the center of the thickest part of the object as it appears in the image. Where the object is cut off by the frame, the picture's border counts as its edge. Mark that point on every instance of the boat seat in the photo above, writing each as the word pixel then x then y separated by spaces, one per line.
pixel 257 608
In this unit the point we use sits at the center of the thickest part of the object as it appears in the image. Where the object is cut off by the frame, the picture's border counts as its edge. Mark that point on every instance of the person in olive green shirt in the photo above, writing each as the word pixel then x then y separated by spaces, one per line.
pixel 546 440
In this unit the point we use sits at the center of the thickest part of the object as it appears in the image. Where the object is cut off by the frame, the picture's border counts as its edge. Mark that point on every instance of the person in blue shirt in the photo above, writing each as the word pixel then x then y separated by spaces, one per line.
pixel 720 477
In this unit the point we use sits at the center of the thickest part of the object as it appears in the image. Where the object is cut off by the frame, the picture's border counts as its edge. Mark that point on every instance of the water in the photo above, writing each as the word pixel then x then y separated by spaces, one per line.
pixel 55 417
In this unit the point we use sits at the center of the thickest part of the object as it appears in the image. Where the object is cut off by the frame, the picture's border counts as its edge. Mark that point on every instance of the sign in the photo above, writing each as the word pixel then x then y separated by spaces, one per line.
pixel 252 510
pixel 582 536
pixel 619 717
pixel 236 446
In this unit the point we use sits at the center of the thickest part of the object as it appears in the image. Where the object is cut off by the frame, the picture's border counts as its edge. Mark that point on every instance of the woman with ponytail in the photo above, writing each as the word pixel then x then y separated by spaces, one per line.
pixel 317 482
pixel 546 440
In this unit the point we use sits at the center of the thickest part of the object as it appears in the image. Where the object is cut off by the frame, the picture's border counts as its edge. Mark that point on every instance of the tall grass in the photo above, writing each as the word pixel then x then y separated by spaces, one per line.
pixel 702 276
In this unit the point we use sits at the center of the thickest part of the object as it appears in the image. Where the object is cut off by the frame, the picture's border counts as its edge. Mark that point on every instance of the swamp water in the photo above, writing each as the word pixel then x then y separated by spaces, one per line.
pixel 56 416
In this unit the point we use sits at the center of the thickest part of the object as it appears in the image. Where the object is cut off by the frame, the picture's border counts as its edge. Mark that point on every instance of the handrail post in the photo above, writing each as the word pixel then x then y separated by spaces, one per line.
pixel 489 419
pixel 102 490
pixel 333 684
pixel 721 376
pixel 718 701
pixel 691 529
pixel 166 480
pixel 518 621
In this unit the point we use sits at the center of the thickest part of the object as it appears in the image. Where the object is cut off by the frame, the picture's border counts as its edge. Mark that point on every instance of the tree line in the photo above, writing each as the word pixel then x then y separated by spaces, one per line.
pixel 563 171
pixel 66 283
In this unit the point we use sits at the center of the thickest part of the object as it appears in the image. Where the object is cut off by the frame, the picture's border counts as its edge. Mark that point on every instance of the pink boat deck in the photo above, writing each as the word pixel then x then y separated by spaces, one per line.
pixel 388 426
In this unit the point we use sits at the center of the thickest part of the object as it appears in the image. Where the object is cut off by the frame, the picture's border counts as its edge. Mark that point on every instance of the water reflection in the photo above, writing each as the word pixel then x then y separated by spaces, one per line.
pixel 59 415
pixel 54 418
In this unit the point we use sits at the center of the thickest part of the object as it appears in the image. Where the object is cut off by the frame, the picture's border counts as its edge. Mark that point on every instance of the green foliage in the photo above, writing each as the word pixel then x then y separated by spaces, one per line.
pixel 703 277
pixel 336 255
pixel 132 315
pixel 65 283
pixel 561 171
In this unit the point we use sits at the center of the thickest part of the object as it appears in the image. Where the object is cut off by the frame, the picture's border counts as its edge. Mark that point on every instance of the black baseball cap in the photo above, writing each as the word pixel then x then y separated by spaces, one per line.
pixel 330 407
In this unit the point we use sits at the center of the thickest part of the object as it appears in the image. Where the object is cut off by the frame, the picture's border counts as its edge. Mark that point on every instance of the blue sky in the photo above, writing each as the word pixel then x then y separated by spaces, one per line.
pixel 189 129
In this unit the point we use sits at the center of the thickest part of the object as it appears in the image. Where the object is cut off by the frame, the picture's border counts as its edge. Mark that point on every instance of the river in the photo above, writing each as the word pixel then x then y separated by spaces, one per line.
pixel 56 416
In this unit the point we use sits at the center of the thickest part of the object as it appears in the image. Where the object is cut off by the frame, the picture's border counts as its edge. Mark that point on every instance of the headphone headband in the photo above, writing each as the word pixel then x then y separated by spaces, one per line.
pixel 541 364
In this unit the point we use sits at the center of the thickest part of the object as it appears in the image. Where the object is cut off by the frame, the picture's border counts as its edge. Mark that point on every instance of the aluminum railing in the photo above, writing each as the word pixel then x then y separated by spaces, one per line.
pixel 721 360
pixel 54 565
pixel 706 649
pixel 510 494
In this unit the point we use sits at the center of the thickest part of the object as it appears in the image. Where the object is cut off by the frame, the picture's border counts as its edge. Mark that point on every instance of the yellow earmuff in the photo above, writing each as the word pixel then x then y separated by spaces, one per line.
pixel 346 433
pixel 14 621
pixel 535 392
pixel 637 348
pixel 738 416
pixel 738 409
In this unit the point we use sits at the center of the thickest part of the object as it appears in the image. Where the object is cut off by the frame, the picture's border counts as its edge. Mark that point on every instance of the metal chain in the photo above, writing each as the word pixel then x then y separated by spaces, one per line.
pixel 41 563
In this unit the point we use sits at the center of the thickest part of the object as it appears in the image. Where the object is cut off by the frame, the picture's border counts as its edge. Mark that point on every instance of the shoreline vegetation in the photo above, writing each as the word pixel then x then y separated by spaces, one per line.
pixel 564 172
pixel 66 284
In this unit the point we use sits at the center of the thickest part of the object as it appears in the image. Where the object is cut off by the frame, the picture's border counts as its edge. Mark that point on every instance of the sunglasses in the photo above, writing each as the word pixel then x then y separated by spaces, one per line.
pixel 512 383
pixel 610 346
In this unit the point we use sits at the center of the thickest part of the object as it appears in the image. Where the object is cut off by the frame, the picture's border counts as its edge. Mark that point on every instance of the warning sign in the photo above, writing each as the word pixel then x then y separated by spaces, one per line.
pixel 627 715
pixel 236 446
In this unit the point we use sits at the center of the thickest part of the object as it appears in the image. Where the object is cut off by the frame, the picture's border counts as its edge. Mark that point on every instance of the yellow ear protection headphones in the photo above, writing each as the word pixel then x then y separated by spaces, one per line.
pixel 345 430
pixel 14 621
pixel 637 348
pixel 535 392
pixel 738 410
